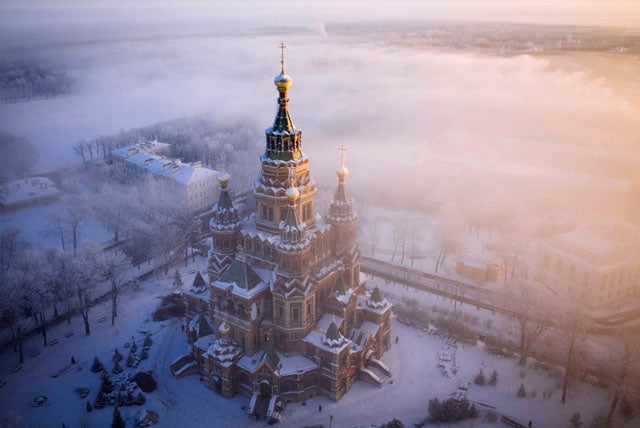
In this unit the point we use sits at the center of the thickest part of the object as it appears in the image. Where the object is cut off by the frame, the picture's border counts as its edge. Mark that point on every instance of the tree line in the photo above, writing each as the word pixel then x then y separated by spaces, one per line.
pixel 198 138
pixel 21 82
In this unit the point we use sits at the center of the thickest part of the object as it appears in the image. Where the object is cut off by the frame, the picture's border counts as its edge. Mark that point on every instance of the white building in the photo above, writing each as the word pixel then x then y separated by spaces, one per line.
pixel 187 184
pixel 594 266
pixel 27 192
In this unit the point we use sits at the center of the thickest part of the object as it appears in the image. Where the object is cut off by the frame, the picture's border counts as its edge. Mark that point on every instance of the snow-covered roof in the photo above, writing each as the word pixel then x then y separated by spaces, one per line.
pixel 27 189
pixel 605 245
pixel 174 169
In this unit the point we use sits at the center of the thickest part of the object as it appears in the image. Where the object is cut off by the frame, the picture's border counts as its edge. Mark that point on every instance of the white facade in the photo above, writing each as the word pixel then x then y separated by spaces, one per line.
pixel 186 184
pixel 594 266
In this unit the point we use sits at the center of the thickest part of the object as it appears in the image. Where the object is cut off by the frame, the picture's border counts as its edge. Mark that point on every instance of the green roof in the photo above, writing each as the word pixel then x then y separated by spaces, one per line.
pixel 341 286
pixel 270 356
pixel 240 273
pixel 332 332
pixel 198 281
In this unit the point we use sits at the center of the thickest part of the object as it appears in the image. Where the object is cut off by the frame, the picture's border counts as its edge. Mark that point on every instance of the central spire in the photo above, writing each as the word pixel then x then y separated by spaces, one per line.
pixel 283 139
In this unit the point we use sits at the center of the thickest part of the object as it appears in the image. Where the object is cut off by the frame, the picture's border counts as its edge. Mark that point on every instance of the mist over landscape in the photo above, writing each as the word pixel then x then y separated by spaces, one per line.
pixel 472 131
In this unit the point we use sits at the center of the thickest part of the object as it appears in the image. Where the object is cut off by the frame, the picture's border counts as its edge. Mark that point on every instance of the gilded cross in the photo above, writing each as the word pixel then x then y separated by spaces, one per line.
pixel 282 48
pixel 342 149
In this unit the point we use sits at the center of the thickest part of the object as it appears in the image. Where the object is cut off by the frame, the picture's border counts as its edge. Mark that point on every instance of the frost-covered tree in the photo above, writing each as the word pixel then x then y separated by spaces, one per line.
pixel 531 313
pixel 575 330
pixel 84 274
pixel 11 243
pixel 72 217
pixel 38 288
pixel 12 287
pixel 623 365
pixel 114 266
pixel 54 227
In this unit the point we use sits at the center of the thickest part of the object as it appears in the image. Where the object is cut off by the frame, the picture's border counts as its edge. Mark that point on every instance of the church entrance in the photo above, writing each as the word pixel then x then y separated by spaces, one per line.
pixel 265 389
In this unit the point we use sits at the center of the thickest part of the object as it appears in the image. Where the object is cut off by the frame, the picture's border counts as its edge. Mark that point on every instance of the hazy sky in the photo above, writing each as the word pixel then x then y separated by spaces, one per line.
pixel 570 12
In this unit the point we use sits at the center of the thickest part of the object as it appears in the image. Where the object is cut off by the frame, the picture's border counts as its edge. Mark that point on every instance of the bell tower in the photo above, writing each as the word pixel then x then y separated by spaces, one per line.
pixel 224 226
pixel 283 151
pixel 343 221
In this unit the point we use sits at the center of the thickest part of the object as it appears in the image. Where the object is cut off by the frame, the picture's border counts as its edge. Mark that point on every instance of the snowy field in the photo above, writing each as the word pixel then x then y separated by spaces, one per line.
pixel 416 378
pixel 32 223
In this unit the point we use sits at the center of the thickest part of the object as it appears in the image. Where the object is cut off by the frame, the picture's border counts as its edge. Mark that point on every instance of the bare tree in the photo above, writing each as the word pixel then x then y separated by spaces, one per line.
pixel 84 273
pixel 114 265
pixel 38 296
pixel 11 243
pixel 448 244
pixel 188 230
pixel 530 312
pixel 55 261
pixel 400 233
pixel 12 286
pixel 373 233
pixel 78 149
pixel 73 216
pixel 623 362
pixel 55 228
pixel 576 327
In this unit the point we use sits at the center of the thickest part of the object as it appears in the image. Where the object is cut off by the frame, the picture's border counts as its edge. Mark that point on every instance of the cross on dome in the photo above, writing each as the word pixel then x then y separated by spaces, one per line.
pixel 342 149
pixel 282 61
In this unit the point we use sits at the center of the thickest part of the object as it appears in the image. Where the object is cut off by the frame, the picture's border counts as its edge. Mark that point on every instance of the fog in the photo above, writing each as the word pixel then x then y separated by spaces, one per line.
pixel 429 118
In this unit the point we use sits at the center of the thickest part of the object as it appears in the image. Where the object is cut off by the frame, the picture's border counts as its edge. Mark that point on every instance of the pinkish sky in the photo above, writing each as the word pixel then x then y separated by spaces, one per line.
pixel 571 12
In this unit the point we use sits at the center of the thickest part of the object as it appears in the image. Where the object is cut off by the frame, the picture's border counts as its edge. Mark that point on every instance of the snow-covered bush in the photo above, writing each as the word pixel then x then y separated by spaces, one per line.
pixel 451 410
pixel 479 379
pixel 493 380
pixel 522 391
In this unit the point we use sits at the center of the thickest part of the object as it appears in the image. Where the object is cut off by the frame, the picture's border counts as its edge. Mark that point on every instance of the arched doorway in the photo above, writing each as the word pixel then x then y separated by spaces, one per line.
pixel 265 389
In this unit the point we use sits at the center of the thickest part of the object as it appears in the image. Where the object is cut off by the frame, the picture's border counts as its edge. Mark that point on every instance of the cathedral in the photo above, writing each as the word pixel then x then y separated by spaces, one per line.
pixel 285 314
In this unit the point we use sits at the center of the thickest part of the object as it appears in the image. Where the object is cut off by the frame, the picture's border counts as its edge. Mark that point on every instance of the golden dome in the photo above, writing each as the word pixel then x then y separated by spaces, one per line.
pixel 292 193
pixel 342 172
pixel 282 81
pixel 224 328
pixel 223 177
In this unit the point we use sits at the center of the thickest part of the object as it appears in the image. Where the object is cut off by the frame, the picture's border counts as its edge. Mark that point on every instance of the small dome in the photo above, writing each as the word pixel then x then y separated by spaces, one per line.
pixel 342 172
pixel 292 193
pixel 223 177
pixel 282 81
pixel 224 328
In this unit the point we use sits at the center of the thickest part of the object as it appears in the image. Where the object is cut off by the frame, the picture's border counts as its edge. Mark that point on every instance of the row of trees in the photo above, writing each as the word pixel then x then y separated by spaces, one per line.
pixel 22 83
pixel 35 284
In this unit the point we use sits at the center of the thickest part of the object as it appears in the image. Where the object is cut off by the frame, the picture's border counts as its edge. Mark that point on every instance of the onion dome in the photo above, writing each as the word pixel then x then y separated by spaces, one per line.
pixel 342 172
pixel 224 328
pixel 282 81
pixel 292 193
pixel 223 177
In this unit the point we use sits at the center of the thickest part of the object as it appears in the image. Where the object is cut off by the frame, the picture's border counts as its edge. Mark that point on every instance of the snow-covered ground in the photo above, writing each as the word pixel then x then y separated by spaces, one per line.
pixel 32 224
pixel 416 377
